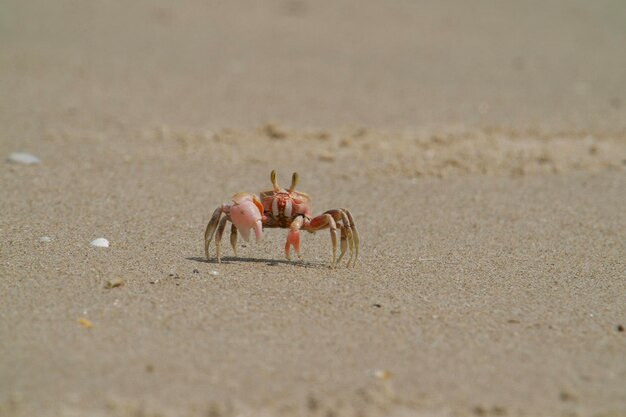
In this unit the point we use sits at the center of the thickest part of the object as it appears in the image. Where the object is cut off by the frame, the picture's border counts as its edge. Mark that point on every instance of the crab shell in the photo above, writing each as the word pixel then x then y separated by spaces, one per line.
pixel 283 206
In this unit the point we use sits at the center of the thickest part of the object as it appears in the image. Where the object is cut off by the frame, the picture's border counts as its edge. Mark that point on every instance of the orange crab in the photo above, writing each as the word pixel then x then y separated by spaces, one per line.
pixel 284 208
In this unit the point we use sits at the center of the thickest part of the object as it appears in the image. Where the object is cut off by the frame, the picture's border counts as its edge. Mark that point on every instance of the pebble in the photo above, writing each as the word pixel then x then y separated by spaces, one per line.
pixel 86 323
pixel 45 239
pixel 113 283
pixel 382 374
pixel 100 243
pixel 326 157
pixel 214 273
pixel 23 158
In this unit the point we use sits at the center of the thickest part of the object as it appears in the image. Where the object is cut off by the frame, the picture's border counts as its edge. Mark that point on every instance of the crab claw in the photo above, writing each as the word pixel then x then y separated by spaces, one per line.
pixel 293 239
pixel 245 213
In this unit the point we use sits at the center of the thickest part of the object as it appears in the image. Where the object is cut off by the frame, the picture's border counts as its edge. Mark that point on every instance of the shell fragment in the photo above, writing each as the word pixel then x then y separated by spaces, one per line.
pixel 100 243
pixel 23 158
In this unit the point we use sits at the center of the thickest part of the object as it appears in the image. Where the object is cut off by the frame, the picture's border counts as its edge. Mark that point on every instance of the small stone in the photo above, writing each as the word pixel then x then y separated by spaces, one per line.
pixel 273 131
pixel 86 323
pixel 100 243
pixel 114 283
pixel 326 157
pixel 214 273
pixel 195 271
pixel 382 374
pixel 45 239
pixel 23 158
pixel 347 142
pixel 620 328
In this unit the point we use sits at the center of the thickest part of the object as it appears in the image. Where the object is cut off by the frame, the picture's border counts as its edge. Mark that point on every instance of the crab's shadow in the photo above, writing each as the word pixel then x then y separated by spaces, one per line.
pixel 269 262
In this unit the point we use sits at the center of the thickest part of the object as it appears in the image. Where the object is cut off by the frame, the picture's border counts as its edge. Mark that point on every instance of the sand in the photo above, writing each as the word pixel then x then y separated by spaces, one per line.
pixel 481 149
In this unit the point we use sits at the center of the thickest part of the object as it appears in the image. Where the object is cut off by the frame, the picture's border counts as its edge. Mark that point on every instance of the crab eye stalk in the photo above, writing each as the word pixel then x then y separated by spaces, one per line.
pixel 294 182
pixel 274 181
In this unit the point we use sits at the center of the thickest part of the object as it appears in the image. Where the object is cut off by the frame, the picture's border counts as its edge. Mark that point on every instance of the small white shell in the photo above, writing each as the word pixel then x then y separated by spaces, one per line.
pixel 100 243
pixel 45 239
pixel 23 158
pixel 214 273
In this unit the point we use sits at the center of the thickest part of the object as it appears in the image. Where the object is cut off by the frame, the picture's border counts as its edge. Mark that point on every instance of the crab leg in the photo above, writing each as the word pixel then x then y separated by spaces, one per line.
pixel 349 235
pixel 325 221
pixel 346 235
pixel 210 229
pixel 355 234
pixel 233 237
pixel 293 238
pixel 218 238
pixel 346 238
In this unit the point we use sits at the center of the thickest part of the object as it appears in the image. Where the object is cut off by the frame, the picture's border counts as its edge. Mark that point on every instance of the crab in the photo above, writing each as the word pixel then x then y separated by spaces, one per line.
pixel 281 208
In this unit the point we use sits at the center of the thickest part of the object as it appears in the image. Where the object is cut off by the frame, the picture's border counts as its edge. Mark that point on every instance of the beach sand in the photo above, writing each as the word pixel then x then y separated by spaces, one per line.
pixel 481 149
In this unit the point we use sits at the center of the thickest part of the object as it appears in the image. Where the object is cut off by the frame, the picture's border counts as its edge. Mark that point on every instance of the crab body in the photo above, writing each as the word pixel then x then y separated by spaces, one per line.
pixel 281 208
